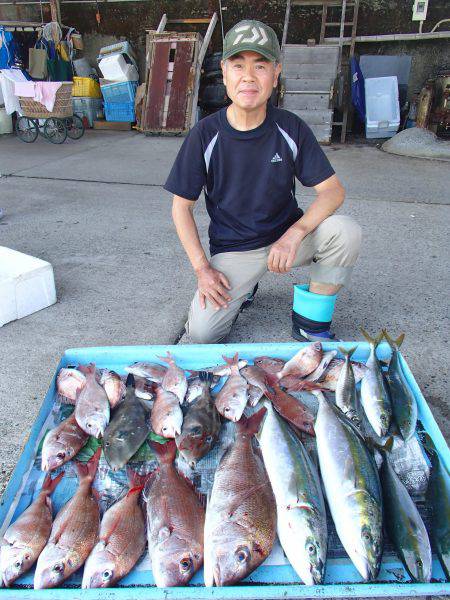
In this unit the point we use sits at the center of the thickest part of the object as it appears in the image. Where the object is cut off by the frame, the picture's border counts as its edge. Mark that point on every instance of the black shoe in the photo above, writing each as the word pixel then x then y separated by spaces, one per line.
pixel 248 301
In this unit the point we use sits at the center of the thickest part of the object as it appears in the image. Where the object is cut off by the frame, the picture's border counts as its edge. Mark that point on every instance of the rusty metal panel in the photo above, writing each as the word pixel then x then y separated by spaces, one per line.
pixel 182 82
pixel 157 86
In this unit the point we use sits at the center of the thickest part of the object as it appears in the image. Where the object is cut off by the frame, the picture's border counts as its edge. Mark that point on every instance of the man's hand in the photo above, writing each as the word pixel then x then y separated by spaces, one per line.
pixel 282 254
pixel 213 286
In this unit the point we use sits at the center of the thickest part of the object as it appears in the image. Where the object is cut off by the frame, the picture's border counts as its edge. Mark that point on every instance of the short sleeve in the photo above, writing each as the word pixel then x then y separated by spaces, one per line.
pixel 188 174
pixel 311 165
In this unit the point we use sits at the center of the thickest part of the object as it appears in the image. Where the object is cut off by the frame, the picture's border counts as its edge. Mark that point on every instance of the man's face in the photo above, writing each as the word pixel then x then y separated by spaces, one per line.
pixel 249 78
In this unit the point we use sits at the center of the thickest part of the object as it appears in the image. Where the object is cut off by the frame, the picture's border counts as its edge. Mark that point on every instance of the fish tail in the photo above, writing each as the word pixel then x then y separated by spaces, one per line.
pixel 165 452
pixel 428 443
pixel 250 425
pixel 393 343
pixel 231 361
pixel 50 484
pixel 89 469
pixel 205 376
pixel 375 341
pixel 87 369
pixel 130 383
pixel 347 353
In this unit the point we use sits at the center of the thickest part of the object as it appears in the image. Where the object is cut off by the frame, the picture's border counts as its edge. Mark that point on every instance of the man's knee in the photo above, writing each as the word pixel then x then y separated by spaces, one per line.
pixel 201 331
pixel 345 234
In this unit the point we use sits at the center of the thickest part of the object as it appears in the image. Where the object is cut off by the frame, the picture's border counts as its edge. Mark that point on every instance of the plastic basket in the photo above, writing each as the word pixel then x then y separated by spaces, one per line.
pixel 91 108
pixel 62 108
pixel 124 91
pixel 86 87
pixel 120 111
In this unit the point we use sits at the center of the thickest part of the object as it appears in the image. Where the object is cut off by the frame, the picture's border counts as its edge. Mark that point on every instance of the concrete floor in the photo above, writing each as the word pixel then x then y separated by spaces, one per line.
pixel 96 210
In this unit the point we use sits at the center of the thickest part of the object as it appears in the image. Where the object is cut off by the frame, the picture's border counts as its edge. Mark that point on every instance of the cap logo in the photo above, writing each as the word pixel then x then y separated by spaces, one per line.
pixel 259 36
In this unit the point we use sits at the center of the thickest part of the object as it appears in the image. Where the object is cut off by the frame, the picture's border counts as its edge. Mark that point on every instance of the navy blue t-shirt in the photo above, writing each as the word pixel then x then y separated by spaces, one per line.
pixel 248 177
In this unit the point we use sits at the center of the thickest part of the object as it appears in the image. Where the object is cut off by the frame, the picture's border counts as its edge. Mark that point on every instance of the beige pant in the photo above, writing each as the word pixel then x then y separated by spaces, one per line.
pixel 331 250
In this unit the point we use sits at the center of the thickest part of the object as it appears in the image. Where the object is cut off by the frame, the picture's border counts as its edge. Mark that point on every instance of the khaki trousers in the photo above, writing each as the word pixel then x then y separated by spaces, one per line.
pixel 331 249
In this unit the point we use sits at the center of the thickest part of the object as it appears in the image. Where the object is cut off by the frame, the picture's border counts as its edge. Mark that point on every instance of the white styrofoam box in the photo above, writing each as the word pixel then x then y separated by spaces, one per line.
pixel 27 285
pixel 6 125
pixel 382 107
pixel 116 68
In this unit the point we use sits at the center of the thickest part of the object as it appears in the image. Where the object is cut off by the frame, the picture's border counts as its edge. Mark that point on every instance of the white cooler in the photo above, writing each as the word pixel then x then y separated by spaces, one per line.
pixel 27 285
pixel 382 107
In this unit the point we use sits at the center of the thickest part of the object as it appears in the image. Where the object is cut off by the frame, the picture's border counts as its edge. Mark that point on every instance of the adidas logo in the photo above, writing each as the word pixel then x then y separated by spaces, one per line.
pixel 276 158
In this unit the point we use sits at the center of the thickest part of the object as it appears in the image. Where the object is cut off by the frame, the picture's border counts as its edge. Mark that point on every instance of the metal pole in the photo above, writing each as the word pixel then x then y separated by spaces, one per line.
pixel 286 22
pixel 55 11
pixel 221 19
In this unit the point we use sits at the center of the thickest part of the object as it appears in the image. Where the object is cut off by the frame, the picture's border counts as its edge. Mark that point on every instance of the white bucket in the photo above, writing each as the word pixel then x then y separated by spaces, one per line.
pixel 6 125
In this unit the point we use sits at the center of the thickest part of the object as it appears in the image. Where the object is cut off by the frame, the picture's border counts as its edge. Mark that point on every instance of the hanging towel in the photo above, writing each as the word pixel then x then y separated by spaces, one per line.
pixel 8 78
pixel 46 93
pixel 24 88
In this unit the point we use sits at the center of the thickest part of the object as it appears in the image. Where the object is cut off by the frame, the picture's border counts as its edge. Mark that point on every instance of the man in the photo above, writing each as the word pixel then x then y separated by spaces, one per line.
pixel 246 157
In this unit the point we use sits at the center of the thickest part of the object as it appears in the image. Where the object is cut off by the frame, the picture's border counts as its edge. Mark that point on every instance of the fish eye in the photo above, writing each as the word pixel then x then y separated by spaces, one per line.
pixel 209 439
pixel 164 428
pixel 366 536
pixel 106 443
pixel 106 575
pixel 61 455
pixel 242 554
pixel 311 548
pixel 185 565
pixel 419 563
pixel 59 568
pixel 89 425
pixel 18 564
pixel 227 409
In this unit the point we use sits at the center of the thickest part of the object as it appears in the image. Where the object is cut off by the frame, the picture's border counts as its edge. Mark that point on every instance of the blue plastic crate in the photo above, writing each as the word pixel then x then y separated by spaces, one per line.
pixel 124 91
pixel 267 582
pixel 120 111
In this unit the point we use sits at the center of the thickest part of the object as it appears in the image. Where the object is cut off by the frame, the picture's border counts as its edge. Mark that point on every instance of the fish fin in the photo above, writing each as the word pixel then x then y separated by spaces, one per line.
pixel 250 425
pixel 136 480
pixel 192 373
pixel 96 493
pixel 148 484
pixel 87 369
pixel 385 448
pixel 346 352
pixel 393 343
pixel 130 383
pixel 200 497
pixel 231 361
pixel 166 452
pixel 50 484
pixel 88 469
pixel 427 443
pixel 164 533
pixel 206 376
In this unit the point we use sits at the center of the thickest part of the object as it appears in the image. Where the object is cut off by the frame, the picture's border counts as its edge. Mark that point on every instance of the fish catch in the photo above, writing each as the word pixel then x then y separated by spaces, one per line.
pixel 301 515
pixel 127 430
pixel 256 377
pixel 113 386
pixel 69 382
pixel 327 357
pixel 166 416
pixel 62 443
pixel 291 408
pixel 92 404
pixel 346 397
pixel 232 398
pixel 151 371
pixel 175 522
pixel 374 391
pixel 304 362
pixel 221 370
pixel 74 532
pixel 195 385
pixel 240 525
pixel 174 379
pixel 352 487
pixel 404 524
pixel 201 424
pixel 122 539
pixel 144 389
pixel 438 497
pixel 404 405
pixel 25 539
pixel 269 364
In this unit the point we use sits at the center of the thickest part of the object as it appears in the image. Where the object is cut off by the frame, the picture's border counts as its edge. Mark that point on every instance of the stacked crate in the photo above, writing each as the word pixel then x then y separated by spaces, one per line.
pixel 119 100
pixel 87 99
